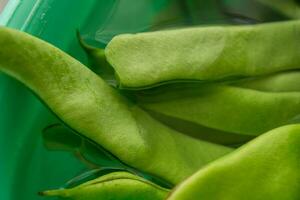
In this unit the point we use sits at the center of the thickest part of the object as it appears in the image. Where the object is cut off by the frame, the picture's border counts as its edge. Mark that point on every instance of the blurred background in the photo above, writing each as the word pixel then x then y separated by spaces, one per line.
pixel 26 167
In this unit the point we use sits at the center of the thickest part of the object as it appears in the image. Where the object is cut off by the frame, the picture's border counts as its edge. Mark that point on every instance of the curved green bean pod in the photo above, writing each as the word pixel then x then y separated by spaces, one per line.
pixel 265 168
pixel 113 186
pixel 226 108
pixel 95 110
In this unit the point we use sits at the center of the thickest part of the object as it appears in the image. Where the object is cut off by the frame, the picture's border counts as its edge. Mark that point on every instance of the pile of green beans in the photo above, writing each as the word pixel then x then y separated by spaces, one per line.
pixel 197 113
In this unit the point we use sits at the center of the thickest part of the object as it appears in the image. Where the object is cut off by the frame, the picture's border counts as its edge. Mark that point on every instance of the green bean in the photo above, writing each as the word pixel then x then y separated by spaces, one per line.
pixel 113 186
pixel 265 168
pixel 95 110
pixel 204 54
pixel 279 82
pixel 184 122
pixel 226 108
pixel 199 131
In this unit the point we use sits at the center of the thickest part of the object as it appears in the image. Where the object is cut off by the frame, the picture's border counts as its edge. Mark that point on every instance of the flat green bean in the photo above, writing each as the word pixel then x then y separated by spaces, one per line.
pixel 226 108
pixel 265 168
pixel 113 186
pixel 279 82
pixel 204 53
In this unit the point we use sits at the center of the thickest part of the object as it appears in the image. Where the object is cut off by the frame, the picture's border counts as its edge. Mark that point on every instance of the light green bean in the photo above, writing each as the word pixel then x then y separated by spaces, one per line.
pixel 265 168
pixel 204 53
pixel 113 186
pixel 279 82
pixel 226 108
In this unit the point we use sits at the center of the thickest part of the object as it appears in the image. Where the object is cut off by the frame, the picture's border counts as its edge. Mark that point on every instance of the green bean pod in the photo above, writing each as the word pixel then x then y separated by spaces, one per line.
pixel 265 168
pixel 279 82
pixel 84 102
pixel 226 108
pixel 204 53
pixel 113 186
